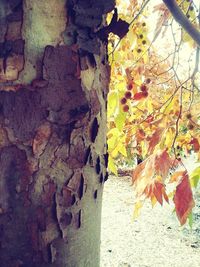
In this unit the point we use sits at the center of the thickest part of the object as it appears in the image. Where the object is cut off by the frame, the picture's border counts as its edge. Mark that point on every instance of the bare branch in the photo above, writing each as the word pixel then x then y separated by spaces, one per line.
pixel 183 20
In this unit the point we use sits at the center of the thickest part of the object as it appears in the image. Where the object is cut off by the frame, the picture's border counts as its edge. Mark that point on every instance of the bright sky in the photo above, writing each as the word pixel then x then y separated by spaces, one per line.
pixel 165 43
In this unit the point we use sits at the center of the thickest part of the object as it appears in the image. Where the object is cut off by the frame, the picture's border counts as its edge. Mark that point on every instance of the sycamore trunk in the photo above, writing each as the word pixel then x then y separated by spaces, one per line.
pixel 53 85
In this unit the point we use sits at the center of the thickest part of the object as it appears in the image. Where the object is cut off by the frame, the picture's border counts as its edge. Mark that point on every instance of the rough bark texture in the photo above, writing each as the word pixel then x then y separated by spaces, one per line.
pixel 52 133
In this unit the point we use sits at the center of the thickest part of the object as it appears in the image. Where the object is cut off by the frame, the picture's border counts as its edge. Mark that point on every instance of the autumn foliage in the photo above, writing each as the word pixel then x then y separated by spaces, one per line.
pixel 153 104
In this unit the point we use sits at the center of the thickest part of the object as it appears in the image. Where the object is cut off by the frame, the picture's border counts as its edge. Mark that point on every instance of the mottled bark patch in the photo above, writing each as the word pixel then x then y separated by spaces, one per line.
pixel 57 120
pixel 77 219
pixel 15 184
pixel 101 178
pixel 98 165
pixel 11 41
pixel 95 103
pixel 14 177
pixel 77 150
pixel 23 112
pixel 94 130
pixel 77 185
pixel 65 219
pixel 87 155
pixel 106 176
pixel 68 197
pixel 40 215
pixel 106 159
pixel 95 194
pixel 63 96
pixel 49 190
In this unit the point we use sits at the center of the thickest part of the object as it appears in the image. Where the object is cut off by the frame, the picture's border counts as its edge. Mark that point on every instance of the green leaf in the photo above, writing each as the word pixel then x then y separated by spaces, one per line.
pixel 120 120
pixel 194 177
pixel 190 220
pixel 194 181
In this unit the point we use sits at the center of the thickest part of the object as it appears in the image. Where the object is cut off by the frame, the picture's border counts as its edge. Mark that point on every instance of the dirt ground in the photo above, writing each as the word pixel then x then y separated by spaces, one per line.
pixel 154 239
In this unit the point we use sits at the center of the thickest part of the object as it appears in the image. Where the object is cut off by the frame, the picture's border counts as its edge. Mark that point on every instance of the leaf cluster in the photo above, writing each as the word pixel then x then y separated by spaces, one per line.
pixel 152 106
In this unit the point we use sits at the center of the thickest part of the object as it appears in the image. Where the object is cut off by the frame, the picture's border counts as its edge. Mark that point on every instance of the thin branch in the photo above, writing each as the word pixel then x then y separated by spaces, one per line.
pixel 177 122
pixel 140 12
pixel 180 17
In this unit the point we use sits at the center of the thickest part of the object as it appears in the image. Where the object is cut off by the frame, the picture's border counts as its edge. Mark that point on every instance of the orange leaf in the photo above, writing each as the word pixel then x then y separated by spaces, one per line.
pixel 165 196
pixel 149 176
pixel 138 170
pixel 183 199
pixel 176 176
pixel 158 190
pixel 163 163
pixel 155 139
pixel 140 135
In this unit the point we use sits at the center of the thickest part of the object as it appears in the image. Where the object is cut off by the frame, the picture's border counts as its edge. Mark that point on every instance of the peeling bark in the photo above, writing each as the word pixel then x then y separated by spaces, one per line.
pixel 52 134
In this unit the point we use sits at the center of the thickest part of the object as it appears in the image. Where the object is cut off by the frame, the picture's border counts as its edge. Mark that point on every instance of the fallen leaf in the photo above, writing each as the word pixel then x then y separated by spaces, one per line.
pixel 137 208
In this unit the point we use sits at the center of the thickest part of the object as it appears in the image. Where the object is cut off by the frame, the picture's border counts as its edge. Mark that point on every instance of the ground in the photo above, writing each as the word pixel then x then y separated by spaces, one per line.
pixel 154 239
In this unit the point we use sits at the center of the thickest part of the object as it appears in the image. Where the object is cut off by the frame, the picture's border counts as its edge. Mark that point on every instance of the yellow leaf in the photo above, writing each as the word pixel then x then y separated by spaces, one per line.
pixel 112 143
pixel 169 137
pixel 121 86
pixel 111 166
pixel 120 120
pixel 114 153
pixel 153 201
pixel 122 150
pixel 113 102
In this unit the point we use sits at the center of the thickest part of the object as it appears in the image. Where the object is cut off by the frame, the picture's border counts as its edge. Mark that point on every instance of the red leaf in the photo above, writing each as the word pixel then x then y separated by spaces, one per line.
pixel 183 199
pixel 140 95
pixel 149 119
pixel 195 144
pixel 158 192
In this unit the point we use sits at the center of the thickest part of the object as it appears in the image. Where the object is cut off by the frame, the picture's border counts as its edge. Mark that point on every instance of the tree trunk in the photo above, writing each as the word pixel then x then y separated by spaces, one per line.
pixel 53 85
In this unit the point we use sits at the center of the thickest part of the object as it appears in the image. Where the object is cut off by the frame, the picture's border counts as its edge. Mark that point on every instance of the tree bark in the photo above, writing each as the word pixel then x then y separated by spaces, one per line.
pixel 54 80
